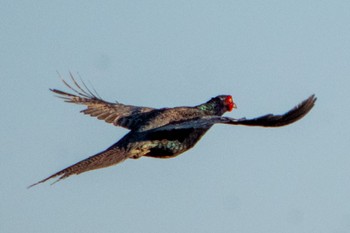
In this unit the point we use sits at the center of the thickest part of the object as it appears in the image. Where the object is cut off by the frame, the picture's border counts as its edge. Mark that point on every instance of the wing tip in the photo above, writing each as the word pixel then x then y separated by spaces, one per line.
pixel 309 103
pixel 313 98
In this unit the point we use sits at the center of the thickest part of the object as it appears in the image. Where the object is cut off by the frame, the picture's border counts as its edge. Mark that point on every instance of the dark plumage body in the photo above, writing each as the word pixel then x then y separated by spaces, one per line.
pixel 141 142
pixel 160 133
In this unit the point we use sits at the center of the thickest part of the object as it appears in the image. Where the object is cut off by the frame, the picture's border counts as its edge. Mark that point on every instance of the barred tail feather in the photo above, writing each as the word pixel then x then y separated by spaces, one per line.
pixel 106 158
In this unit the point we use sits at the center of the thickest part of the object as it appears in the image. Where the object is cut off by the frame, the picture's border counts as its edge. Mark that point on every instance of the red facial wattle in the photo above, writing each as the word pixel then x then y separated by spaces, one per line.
pixel 229 103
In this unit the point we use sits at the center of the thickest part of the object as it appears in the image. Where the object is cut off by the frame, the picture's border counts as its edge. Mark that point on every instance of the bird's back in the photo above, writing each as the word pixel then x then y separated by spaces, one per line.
pixel 164 116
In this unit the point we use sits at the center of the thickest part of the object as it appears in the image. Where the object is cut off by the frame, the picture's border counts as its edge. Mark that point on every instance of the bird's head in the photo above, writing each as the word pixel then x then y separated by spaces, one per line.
pixel 220 104
pixel 226 102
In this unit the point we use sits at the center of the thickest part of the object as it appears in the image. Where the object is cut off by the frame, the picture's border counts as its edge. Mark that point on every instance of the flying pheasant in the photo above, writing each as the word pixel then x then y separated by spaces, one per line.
pixel 160 133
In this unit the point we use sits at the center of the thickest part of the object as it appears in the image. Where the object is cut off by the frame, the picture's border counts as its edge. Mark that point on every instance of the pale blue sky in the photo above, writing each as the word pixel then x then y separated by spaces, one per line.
pixel 268 54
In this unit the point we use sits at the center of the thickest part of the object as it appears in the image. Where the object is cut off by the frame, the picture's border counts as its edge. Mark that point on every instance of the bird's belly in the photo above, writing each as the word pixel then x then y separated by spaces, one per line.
pixel 157 149
pixel 167 149
pixel 165 145
pixel 171 148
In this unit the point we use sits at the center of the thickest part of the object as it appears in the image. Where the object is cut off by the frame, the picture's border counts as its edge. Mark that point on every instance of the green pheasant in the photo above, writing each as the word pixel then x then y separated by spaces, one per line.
pixel 160 133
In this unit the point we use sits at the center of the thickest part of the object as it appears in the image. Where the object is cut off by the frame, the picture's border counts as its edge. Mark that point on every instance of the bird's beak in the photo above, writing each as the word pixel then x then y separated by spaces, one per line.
pixel 231 106
pixel 234 105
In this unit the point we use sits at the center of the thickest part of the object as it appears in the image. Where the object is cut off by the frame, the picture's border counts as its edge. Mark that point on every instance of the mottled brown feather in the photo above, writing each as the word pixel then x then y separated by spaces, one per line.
pixel 97 107
pixel 106 158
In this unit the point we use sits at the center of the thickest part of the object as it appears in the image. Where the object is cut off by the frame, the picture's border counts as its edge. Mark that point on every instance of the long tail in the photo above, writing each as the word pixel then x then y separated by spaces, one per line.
pixel 111 156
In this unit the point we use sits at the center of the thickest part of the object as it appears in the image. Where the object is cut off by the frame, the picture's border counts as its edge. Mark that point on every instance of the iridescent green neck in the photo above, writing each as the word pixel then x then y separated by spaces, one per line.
pixel 207 107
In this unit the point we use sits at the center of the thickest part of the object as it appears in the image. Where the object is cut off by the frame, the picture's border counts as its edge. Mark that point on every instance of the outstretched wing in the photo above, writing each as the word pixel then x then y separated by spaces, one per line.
pixel 118 114
pixel 268 120
pixel 271 120
pixel 109 157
